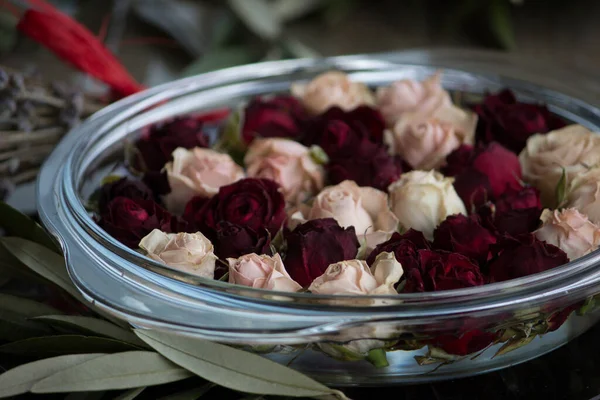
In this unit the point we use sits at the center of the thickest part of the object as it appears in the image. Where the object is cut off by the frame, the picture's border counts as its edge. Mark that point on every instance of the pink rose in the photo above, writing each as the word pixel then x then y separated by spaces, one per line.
pixel 187 252
pixel 331 89
pixel 425 100
pixel 570 231
pixel 289 164
pixel 355 277
pixel 424 144
pixel 261 272
pixel 198 172
pixel 584 194
pixel 364 208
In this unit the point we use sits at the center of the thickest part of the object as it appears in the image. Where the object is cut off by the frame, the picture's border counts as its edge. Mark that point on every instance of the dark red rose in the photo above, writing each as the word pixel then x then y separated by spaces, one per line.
pixel 157 145
pixel 526 197
pixel 464 235
pixel 512 222
pixel 232 240
pixel 316 244
pixel 253 203
pixel 487 160
pixel 458 161
pixel 473 187
pixel 129 220
pixel 158 182
pixel 338 131
pixel 441 270
pixel 368 164
pixel 123 187
pixel 560 317
pixel 522 256
pixel 467 343
pixel 509 122
pixel 280 116
pixel 404 246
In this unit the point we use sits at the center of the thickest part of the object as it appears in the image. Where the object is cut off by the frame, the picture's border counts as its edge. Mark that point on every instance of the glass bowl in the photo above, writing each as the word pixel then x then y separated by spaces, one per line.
pixel 310 333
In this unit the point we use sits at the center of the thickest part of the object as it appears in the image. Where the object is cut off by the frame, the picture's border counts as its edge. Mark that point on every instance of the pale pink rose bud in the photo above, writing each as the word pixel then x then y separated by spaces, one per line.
pixel 584 194
pixel 332 89
pixel 570 231
pixel 364 208
pixel 261 272
pixel 198 172
pixel 423 199
pixel 187 252
pixel 387 272
pixel 345 277
pixel 424 144
pixel 574 148
pixel 288 163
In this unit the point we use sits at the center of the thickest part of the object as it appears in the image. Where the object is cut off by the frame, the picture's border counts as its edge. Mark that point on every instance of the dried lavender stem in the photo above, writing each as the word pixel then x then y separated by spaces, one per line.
pixel 25 176
pixel 48 135
pixel 88 108
pixel 22 154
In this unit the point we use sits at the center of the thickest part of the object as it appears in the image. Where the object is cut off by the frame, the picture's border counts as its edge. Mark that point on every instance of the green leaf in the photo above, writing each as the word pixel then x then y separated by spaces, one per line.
pixel 25 307
pixel 42 261
pixel 16 327
pixel 94 326
pixel 22 378
pixel 8 32
pixel 295 49
pixel 258 16
pixel 191 394
pixel 130 394
pixel 514 344
pixel 219 58
pixel 50 346
pixel 85 396
pixel 500 23
pixel 10 266
pixel 232 368
pixel 127 370
pixel 378 358
pixel 561 188
pixel 15 223
pixel 337 10
pixel 287 10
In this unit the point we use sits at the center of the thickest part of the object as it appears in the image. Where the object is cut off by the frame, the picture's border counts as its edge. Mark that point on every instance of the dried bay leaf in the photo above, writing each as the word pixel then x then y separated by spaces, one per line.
pixel 15 223
pixel 50 346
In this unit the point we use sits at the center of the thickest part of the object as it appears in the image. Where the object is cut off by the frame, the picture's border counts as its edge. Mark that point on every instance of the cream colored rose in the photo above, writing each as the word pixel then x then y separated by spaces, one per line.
pixel 187 252
pixel 364 208
pixel 261 272
pixel 424 145
pixel 331 89
pixel 584 194
pixel 574 148
pixel 288 163
pixel 425 101
pixel 198 172
pixel 570 231
pixel 355 277
pixel 423 199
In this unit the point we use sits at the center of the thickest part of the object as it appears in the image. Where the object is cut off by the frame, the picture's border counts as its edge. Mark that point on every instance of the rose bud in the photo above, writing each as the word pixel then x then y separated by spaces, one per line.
pixel 187 252
pixel 157 145
pixel 584 194
pixel 509 122
pixel 522 256
pixel 423 144
pixel 253 203
pixel 345 277
pixel 288 163
pixel 233 241
pixel 402 244
pixel 157 181
pixel 129 220
pixel 261 272
pixel 427 101
pixel 441 270
pixel 570 231
pixel 526 197
pixel 573 149
pixel 516 222
pixel 332 89
pixel 316 244
pixel 467 343
pixel 421 200
pixel 464 235
pixel 364 208
pixel 387 272
pixel 198 172
pixel 559 318
pixel 474 189
pixel 458 161
pixel 280 116
pixel 123 187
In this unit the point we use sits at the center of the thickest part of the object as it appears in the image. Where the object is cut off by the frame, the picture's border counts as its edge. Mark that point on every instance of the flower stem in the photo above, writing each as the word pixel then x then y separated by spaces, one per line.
pixel 378 358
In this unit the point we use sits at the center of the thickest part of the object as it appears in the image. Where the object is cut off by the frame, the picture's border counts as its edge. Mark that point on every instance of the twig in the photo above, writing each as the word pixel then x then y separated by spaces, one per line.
pixel 27 152
pixel 48 135
pixel 25 176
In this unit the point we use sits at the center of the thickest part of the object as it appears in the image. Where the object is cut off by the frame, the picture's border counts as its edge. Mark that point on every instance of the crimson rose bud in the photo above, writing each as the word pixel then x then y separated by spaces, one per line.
pixel 522 256
pixel 129 220
pixel 253 203
pixel 464 235
pixel 487 160
pixel 526 197
pixel 467 343
pixel 442 270
pixel 234 241
pixel 157 145
pixel 560 317
pixel 473 188
pixel 316 244
pixel 123 187
pixel 280 116
pixel 404 246
pixel 509 122
pixel 512 222
pixel 458 161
